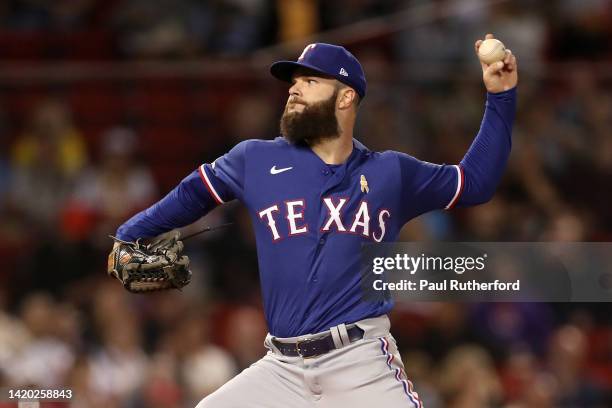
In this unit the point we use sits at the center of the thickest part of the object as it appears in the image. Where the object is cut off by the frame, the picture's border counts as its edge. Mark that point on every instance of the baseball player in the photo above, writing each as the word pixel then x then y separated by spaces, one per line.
pixel 315 195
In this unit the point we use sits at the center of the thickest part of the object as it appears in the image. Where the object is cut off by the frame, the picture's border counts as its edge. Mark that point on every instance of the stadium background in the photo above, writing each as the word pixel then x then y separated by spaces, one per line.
pixel 106 105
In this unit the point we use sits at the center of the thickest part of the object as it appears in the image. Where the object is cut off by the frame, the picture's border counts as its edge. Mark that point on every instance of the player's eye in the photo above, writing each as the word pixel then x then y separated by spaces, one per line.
pixel 312 81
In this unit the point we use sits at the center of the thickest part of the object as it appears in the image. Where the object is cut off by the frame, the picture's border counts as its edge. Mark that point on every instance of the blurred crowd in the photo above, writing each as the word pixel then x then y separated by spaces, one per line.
pixel 73 167
pixel 192 28
pixel 113 350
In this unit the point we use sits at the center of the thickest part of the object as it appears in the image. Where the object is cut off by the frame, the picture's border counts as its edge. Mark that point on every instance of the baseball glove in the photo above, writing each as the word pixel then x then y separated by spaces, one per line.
pixel 156 266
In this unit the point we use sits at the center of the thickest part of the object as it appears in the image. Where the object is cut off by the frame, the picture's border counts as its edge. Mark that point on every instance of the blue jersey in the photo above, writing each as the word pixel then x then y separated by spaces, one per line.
pixel 311 218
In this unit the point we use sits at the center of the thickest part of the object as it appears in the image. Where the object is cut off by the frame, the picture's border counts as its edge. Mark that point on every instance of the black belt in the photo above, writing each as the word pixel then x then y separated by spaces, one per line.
pixel 308 348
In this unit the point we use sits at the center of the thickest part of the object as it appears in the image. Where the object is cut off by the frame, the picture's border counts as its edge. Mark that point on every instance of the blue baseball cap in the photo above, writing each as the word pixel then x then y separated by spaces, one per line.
pixel 327 59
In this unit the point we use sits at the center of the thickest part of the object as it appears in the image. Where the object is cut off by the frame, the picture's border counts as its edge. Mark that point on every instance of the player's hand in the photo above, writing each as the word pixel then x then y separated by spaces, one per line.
pixel 499 76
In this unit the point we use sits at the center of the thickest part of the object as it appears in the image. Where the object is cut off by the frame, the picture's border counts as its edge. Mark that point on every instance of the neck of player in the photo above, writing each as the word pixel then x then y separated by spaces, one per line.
pixel 336 150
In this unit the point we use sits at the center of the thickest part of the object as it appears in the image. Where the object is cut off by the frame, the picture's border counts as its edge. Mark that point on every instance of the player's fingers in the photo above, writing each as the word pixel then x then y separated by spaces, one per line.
pixel 477 45
pixel 494 68
pixel 508 61
pixel 489 36
pixel 508 56
pixel 512 64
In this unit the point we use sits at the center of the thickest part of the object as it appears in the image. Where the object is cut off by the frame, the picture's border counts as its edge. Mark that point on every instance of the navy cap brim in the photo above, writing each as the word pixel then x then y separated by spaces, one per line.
pixel 284 70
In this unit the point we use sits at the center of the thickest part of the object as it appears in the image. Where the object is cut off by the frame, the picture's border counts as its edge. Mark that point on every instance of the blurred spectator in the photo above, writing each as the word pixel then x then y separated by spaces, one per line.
pixel 110 193
pixel 162 389
pixel 468 379
pixel 84 393
pixel 118 368
pixel 247 329
pixel 420 369
pixel 47 159
pixel 51 134
pixel 566 226
pixel 45 359
pixel 525 384
pixel 118 365
pixel 13 336
pixel 203 366
pixel 567 362
pixel 540 392
pixel 108 300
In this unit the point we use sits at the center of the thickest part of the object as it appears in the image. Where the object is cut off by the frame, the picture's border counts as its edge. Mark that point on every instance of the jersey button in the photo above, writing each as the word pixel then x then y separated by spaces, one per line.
pixel 325 172
pixel 322 241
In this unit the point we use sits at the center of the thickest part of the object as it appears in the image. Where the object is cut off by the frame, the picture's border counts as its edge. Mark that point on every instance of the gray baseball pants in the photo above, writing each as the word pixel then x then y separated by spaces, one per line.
pixel 366 373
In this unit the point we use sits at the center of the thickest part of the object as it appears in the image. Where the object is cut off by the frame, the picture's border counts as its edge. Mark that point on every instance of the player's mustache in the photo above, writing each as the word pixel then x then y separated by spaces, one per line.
pixel 292 101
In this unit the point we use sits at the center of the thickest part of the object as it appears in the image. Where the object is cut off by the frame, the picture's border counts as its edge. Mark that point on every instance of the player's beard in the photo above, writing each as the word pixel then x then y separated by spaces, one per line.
pixel 315 123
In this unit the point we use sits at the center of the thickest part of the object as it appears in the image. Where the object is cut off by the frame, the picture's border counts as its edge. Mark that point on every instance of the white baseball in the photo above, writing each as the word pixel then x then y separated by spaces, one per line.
pixel 491 50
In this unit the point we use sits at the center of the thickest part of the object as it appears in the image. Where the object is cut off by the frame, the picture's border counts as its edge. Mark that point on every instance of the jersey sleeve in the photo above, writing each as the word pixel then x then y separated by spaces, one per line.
pixel 485 161
pixel 224 178
pixel 426 186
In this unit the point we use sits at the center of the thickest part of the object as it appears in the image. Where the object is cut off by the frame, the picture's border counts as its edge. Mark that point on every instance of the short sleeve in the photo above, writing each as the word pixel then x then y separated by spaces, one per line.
pixel 426 186
pixel 224 178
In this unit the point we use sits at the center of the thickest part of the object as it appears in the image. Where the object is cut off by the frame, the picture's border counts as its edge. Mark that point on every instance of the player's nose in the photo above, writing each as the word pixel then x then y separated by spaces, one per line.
pixel 294 90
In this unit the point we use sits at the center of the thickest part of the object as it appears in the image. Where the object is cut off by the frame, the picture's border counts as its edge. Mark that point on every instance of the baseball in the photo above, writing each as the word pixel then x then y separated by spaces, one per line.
pixel 491 50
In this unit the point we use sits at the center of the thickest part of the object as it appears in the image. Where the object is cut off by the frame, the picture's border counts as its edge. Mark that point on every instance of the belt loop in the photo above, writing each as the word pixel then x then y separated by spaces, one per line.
pixel 336 337
pixel 270 344
pixel 343 334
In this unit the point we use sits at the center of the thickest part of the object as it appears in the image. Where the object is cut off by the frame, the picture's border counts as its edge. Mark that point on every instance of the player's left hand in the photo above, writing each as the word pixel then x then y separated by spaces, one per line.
pixel 152 267
pixel 499 76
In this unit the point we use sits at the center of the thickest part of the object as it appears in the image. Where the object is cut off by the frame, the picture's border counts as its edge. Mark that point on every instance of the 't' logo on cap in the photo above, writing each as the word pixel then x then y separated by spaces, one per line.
pixel 308 48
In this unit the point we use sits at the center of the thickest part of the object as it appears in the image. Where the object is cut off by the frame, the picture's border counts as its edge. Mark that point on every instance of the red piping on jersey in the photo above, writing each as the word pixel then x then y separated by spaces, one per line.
pixel 461 185
pixel 209 187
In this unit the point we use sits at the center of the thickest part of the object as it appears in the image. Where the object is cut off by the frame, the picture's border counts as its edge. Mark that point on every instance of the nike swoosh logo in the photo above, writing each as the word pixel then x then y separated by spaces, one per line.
pixel 274 170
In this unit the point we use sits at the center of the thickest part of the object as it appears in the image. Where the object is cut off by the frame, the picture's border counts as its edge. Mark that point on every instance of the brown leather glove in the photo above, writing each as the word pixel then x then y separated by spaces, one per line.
pixel 156 266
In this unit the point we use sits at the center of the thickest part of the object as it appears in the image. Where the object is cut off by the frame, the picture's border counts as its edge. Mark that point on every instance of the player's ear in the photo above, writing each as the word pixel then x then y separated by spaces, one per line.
pixel 346 97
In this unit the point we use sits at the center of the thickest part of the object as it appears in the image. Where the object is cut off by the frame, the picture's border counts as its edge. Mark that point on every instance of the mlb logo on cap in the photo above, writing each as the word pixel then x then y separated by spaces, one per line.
pixel 327 59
